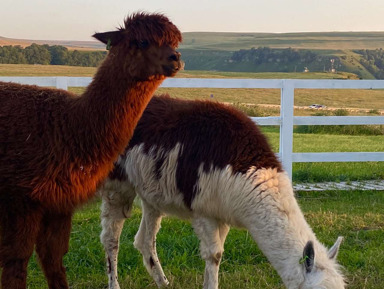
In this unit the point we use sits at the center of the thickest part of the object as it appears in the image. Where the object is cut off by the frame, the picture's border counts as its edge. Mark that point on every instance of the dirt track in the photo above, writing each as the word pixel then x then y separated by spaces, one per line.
pixel 349 109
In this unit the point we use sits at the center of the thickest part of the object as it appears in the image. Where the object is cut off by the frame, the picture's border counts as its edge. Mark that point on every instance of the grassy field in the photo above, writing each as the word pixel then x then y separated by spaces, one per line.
pixel 45 70
pixel 321 172
pixel 357 101
pixel 356 215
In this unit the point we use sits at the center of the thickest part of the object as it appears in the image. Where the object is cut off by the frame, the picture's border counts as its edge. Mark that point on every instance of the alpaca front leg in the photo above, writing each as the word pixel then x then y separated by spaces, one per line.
pixel 212 236
pixel 110 235
pixel 114 211
pixel 145 242
pixel 51 246
pixel 18 232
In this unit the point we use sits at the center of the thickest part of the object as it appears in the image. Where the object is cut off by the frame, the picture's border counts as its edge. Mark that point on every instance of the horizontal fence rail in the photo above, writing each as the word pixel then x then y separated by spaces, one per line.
pixel 286 120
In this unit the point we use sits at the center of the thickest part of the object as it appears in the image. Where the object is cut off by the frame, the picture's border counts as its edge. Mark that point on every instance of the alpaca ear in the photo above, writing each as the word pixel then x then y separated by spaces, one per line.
pixel 332 253
pixel 309 256
pixel 110 38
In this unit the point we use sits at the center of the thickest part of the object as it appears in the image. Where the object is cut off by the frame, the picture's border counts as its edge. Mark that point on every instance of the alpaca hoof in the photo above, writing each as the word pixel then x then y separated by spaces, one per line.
pixel 114 284
pixel 162 282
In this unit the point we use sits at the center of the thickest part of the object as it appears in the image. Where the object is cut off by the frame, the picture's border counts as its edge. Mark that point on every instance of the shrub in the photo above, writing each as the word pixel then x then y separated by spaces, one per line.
pixel 341 129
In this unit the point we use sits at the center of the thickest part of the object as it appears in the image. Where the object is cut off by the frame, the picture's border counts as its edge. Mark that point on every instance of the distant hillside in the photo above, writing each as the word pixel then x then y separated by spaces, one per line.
pixel 236 41
pixel 313 40
pixel 217 51
pixel 276 60
pixel 71 45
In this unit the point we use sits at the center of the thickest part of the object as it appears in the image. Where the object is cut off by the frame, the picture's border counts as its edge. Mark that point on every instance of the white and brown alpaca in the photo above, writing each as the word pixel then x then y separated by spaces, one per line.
pixel 56 148
pixel 210 163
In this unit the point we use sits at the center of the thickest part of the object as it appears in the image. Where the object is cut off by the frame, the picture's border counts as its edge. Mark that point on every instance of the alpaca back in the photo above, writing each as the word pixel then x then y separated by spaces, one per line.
pixel 199 135
pixel 28 114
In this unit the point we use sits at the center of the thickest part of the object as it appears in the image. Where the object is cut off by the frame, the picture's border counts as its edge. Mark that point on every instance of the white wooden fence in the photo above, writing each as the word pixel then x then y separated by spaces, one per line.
pixel 286 120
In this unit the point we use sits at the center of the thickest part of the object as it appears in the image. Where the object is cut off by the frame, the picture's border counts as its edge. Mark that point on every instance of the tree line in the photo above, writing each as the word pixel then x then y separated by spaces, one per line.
pixel 373 61
pixel 286 60
pixel 268 55
pixel 259 59
pixel 49 54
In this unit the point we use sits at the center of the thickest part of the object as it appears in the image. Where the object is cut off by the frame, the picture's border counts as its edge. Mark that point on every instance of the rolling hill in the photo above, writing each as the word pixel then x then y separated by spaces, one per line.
pixel 235 41
pixel 71 45
pixel 214 50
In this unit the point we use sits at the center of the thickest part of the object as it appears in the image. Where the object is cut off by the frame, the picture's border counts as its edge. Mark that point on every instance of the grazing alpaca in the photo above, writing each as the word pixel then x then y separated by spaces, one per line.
pixel 56 148
pixel 210 163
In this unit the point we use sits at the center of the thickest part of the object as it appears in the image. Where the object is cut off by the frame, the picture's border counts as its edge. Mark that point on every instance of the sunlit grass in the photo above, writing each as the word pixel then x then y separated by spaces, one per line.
pixel 356 215
pixel 332 171
pixel 45 70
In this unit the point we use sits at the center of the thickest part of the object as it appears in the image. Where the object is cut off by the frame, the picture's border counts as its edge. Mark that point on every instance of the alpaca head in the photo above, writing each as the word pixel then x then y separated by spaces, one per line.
pixel 320 269
pixel 144 47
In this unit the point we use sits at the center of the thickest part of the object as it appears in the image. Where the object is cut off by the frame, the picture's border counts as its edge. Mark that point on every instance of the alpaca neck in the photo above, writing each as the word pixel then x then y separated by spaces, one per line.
pixel 106 115
pixel 280 230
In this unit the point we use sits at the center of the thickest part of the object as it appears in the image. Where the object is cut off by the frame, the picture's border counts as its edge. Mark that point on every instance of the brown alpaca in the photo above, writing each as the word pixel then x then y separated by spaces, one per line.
pixel 55 148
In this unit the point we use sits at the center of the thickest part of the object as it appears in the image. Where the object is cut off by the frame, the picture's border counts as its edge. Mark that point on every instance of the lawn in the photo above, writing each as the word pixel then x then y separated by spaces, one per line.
pixel 338 171
pixel 356 215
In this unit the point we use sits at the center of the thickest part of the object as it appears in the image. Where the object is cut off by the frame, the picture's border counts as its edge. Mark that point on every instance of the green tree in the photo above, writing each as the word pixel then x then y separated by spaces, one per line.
pixel 37 54
pixel 12 55
pixel 59 55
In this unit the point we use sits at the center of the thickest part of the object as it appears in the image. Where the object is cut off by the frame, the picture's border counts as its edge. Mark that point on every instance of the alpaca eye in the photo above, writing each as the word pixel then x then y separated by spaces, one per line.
pixel 143 44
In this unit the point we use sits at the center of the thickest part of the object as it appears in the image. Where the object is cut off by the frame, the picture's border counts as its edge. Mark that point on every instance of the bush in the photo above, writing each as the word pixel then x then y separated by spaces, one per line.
pixel 341 129
pixel 340 112
pixel 255 110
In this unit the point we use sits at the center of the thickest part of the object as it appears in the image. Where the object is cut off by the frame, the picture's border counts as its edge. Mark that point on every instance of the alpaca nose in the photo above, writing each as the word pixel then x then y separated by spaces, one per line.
pixel 175 56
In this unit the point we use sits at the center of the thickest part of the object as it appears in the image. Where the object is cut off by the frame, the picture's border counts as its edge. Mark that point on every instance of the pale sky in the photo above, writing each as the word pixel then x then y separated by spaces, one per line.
pixel 79 19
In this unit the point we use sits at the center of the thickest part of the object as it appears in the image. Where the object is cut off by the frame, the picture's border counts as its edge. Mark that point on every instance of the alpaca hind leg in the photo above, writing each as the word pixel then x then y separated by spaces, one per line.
pixel 115 208
pixel 51 246
pixel 223 232
pixel 145 242
pixel 212 236
pixel 19 224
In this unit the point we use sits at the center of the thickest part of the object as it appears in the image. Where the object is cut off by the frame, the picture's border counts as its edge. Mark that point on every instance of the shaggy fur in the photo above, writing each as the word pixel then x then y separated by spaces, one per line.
pixel 210 163
pixel 56 148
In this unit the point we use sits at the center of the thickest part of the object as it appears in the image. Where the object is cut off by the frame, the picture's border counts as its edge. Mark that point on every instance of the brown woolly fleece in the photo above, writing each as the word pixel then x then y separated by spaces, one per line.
pixel 56 147
pixel 211 134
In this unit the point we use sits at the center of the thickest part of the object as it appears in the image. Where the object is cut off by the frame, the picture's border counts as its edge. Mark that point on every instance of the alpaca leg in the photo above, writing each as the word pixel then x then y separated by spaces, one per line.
pixel 19 227
pixel 223 233
pixel 212 236
pixel 51 246
pixel 114 210
pixel 145 242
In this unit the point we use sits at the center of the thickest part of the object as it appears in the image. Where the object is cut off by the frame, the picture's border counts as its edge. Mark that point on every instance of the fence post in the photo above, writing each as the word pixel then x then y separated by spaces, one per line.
pixel 286 125
pixel 62 82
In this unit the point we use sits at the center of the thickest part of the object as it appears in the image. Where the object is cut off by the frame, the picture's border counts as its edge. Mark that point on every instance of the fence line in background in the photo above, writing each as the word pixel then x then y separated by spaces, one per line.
pixel 286 120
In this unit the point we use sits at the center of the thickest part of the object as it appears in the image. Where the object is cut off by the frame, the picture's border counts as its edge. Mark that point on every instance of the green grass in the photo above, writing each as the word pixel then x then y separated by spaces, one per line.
pixel 338 171
pixel 45 70
pixel 342 129
pixel 356 215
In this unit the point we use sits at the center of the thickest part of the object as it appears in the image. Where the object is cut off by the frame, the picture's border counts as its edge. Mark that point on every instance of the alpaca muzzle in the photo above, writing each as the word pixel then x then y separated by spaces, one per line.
pixel 175 65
